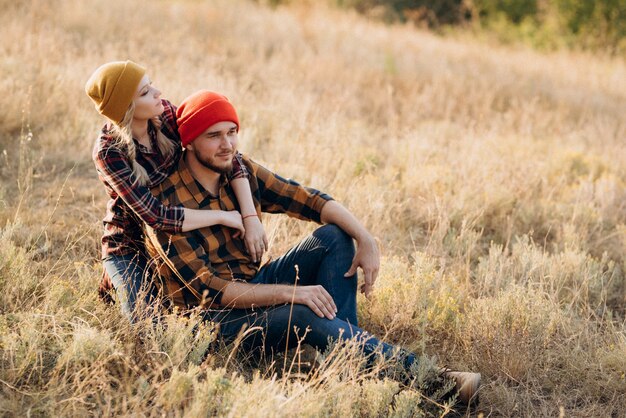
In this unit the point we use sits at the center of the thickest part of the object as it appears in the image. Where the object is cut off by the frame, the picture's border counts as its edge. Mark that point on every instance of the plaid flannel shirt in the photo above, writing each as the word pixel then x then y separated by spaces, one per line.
pixel 130 205
pixel 196 266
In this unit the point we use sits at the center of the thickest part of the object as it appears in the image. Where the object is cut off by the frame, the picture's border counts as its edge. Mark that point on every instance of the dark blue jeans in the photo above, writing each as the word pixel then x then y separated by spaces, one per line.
pixel 132 282
pixel 322 259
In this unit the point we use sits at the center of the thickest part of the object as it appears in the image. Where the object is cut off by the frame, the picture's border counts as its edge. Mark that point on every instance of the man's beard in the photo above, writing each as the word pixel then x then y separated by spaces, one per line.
pixel 210 163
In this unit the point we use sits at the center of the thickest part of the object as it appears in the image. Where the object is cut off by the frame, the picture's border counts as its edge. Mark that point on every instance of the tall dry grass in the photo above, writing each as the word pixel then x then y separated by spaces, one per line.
pixel 493 177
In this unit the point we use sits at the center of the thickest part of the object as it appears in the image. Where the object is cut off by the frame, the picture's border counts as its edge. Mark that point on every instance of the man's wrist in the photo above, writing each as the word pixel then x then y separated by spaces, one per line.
pixel 284 294
pixel 364 237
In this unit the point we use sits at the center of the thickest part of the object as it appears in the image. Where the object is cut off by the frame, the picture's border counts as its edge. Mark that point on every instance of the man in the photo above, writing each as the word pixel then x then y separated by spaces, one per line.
pixel 312 287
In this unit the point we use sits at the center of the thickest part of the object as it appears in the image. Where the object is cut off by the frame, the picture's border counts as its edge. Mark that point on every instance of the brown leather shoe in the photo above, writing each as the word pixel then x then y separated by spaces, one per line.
pixel 467 384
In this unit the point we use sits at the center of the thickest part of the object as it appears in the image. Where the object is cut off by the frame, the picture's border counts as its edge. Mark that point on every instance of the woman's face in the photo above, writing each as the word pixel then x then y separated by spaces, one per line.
pixel 147 100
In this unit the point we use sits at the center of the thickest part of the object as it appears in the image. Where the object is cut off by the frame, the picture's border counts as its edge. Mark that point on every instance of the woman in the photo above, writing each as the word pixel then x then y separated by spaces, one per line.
pixel 137 149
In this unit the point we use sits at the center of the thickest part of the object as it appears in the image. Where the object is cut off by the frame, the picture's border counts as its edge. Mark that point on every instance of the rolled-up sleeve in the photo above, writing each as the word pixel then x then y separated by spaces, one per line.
pixel 239 169
pixel 114 169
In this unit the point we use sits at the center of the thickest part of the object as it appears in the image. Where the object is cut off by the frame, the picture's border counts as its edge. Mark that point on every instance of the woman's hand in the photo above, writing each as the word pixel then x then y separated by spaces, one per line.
pixel 255 238
pixel 232 219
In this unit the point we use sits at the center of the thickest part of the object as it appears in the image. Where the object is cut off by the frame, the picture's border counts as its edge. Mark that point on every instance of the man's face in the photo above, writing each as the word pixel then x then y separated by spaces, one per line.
pixel 216 146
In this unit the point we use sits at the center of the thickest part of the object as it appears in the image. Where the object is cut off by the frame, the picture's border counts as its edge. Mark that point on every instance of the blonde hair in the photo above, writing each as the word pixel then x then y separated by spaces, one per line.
pixel 124 137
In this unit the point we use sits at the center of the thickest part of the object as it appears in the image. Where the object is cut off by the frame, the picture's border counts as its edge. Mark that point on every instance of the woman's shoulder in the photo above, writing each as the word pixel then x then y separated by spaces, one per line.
pixel 169 114
pixel 169 127
pixel 169 106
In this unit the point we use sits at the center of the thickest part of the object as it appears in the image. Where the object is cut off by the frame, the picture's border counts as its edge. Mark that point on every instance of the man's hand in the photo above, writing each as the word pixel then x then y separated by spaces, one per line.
pixel 316 298
pixel 232 219
pixel 255 238
pixel 368 258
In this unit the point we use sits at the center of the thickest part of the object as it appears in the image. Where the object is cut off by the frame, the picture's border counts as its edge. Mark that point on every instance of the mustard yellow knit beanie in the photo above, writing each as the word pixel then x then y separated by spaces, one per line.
pixel 112 87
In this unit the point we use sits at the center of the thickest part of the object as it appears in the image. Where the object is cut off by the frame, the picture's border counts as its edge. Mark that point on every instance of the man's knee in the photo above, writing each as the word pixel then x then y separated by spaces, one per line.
pixel 304 314
pixel 333 236
pixel 287 316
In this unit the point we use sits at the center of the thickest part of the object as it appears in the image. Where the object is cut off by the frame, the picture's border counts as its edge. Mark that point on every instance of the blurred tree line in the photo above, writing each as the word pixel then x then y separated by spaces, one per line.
pixel 597 24
pixel 590 24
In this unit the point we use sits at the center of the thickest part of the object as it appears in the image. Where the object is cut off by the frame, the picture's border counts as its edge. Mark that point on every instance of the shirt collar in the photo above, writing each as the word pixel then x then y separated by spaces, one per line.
pixel 199 193
pixel 153 142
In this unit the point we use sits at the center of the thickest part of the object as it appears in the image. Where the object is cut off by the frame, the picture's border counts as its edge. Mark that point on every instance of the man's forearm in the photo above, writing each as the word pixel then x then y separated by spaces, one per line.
pixel 334 213
pixel 367 255
pixel 246 295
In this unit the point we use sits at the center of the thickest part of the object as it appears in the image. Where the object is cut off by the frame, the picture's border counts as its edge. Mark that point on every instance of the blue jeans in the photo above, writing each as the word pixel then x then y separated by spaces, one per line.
pixel 131 279
pixel 322 259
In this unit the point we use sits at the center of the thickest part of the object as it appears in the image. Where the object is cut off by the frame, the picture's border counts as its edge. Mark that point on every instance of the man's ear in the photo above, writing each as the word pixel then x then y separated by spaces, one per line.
pixel 189 146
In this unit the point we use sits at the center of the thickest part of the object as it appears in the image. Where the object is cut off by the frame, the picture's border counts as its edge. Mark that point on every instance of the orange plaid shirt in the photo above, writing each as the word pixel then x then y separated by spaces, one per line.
pixel 196 266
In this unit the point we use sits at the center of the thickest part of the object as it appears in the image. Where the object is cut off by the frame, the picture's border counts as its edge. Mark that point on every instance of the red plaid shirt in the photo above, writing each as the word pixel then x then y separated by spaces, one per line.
pixel 131 205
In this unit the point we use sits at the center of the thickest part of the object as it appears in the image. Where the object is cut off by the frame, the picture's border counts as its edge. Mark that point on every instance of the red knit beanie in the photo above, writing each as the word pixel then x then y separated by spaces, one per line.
pixel 200 111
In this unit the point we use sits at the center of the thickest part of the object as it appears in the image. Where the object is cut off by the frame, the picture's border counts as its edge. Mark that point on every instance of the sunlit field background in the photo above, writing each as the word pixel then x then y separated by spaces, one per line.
pixel 493 176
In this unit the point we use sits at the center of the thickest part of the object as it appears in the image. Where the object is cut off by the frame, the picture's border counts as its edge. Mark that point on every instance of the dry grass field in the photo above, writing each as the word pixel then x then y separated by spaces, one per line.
pixel 493 176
